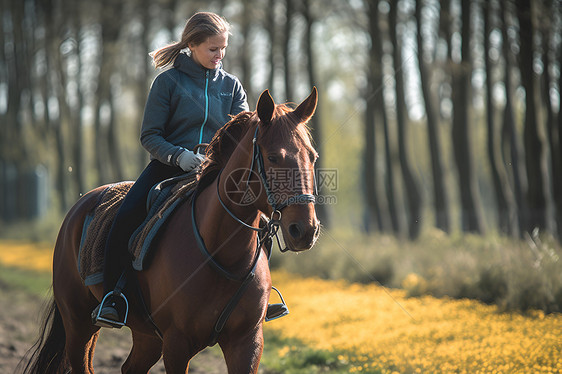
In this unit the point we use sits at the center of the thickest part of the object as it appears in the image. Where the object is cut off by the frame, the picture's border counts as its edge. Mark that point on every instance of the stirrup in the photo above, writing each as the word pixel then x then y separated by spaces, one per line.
pixel 98 320
pixel 277 310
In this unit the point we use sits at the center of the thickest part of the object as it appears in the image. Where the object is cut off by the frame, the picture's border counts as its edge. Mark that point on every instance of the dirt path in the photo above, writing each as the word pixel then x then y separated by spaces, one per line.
pixel 19 326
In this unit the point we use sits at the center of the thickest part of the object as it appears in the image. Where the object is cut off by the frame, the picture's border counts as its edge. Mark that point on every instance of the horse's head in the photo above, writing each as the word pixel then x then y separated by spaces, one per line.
pixel 285 158
pixel 275 141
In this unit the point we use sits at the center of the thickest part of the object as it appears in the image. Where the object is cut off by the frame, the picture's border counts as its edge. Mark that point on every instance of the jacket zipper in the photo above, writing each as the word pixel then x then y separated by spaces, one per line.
pixel 206 106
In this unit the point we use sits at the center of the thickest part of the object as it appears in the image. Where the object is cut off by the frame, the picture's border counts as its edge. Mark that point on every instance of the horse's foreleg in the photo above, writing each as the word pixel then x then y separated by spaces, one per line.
pixel 177 352
pixel 242 354
pixel 146 351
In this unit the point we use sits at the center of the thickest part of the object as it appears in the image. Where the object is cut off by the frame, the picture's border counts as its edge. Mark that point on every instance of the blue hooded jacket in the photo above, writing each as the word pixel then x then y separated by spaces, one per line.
pixel 186 105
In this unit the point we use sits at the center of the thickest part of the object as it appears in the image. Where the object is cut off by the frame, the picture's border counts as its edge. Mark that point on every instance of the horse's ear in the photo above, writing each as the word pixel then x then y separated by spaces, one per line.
pixel 266 106
pixel 307 108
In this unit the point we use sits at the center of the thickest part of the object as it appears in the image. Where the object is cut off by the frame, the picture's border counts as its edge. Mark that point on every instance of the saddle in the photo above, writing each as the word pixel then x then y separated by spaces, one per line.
pixel 162 201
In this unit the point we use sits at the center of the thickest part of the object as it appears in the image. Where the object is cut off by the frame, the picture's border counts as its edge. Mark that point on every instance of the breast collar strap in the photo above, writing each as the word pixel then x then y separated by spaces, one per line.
pixel 244 280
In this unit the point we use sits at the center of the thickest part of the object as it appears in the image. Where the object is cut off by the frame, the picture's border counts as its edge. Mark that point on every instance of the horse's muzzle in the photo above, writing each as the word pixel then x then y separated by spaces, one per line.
pixel 302 236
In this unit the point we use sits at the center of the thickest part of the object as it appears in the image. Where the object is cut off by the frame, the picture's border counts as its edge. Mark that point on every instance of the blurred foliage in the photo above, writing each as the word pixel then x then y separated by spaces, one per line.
pixel 515 275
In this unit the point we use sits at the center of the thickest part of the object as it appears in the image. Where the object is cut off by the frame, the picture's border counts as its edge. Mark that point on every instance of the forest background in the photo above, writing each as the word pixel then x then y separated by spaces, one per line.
pixel 438 126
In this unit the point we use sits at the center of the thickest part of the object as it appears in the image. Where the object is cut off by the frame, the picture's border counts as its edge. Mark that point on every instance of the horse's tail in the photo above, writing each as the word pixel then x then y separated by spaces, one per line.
pixel 48 355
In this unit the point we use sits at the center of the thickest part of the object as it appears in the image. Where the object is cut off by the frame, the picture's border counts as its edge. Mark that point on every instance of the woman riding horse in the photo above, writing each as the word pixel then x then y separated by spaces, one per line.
pixel 186 105
pixel 208 280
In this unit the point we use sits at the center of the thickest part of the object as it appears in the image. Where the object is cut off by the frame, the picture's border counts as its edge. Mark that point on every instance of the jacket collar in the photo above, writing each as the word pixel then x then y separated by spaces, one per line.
pixel 187 65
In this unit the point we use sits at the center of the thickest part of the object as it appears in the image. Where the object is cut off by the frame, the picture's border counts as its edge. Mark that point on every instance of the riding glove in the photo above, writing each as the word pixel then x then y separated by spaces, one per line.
pixel 188 160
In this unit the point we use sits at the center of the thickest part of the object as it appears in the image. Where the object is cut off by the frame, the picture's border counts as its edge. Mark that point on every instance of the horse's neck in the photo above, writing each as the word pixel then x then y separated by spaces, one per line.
pixel 232 244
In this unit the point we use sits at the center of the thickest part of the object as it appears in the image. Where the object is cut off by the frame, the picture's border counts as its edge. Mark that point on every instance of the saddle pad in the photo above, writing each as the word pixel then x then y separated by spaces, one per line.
pixel 163 200
pixel 95 230
pixel 169 194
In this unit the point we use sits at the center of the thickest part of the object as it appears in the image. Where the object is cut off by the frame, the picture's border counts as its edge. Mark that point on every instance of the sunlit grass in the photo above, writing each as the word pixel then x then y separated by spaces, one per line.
pixel 338 326
pixel 26 266
pixel 29 256
pixel 377 330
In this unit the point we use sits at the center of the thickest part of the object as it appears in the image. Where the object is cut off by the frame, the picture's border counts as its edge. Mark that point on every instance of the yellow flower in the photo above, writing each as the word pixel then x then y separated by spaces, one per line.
pixel 283 351
pixel 382 329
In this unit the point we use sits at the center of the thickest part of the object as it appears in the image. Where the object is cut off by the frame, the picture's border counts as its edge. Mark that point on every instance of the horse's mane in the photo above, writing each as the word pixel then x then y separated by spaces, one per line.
pixel 283 127
pixel 222 145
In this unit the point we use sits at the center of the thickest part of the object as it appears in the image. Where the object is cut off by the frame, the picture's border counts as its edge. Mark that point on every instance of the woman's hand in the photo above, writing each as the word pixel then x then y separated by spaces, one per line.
pixel 188 160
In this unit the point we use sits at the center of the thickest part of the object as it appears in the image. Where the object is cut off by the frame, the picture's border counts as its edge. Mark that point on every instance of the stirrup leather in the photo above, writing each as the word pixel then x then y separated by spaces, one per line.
pixel 277 310
pixel 98 320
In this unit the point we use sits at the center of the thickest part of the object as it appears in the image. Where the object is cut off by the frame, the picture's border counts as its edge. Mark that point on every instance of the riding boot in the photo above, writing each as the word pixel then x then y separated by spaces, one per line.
pixel 111 314
pixel 114 307
pixel 277 310
pixel 108 313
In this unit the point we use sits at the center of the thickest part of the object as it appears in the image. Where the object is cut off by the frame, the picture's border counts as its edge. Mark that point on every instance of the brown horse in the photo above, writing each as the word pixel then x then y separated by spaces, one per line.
pixel 209 278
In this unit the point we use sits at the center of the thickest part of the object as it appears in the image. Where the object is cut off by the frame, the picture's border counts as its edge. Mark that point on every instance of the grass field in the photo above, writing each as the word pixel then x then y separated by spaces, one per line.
pixel 341 327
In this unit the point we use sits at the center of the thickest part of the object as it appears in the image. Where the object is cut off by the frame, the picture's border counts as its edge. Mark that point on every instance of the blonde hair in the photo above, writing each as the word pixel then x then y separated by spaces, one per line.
pixel 198 28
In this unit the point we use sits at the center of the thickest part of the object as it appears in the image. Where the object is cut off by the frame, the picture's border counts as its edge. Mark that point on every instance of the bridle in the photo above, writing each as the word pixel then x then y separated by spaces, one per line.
pixel 275 219
pixel 257 158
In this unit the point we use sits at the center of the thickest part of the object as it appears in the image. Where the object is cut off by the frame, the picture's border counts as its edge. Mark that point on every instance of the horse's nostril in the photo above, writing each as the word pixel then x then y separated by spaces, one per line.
pixel 295 231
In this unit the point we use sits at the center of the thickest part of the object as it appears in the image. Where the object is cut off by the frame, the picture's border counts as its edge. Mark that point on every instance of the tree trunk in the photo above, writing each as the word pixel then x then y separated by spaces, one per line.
pixel 511 147
pixel 315 128
pixel 556 135
pixel 101 149
pixel 109 161
pixel 289 94
pixel 504 198
pixel 245 60
pixel 377 210
pixel 12 152
pixel 440 199
pixel 270 28
pixel 373 219
pixel 548 28
pixel 4 195
pixel 13 140
pixel 472 217
pixel 142 81
pixel 75 117
pixel 390 215
pixel 413 196
pixel 113 142
pixel 55 124
pixel 534 152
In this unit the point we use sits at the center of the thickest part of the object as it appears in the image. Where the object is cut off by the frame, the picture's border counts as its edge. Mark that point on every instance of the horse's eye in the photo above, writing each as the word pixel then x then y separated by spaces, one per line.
pixel 272 159
pixel 313 157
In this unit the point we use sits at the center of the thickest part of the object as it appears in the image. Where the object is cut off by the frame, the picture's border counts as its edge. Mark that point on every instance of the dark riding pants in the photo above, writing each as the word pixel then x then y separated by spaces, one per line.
pixel 130 215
